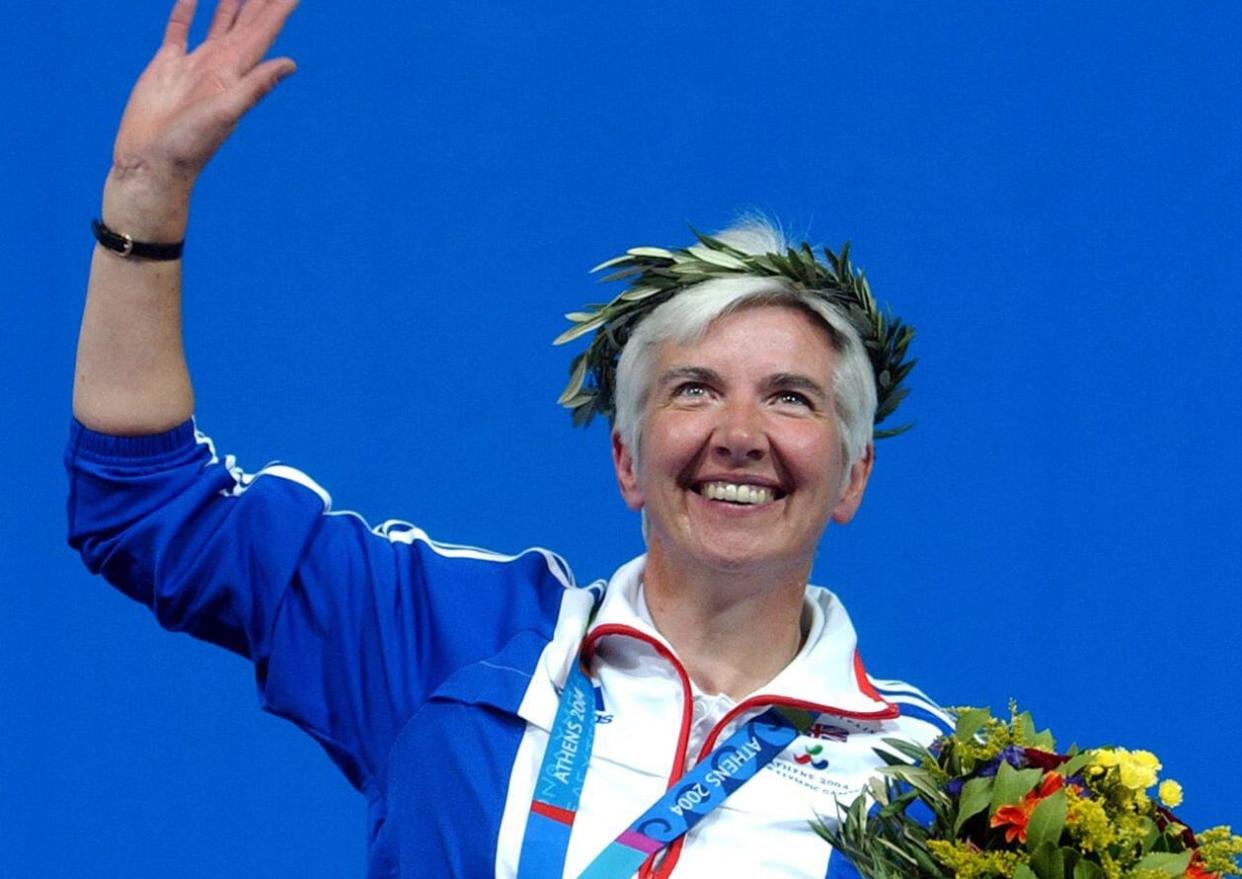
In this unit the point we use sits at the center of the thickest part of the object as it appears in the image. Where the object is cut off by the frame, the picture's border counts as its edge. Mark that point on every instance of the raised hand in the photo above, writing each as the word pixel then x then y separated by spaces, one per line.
pixel 131 375
pixel 186 103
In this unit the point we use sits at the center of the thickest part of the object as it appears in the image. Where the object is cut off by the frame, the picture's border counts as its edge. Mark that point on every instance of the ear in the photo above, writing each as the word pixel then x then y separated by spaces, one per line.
pixel 850 500
pixel 627 474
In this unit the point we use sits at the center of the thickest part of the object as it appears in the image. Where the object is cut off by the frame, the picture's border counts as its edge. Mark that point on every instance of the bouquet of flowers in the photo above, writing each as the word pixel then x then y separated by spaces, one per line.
pixel 995 799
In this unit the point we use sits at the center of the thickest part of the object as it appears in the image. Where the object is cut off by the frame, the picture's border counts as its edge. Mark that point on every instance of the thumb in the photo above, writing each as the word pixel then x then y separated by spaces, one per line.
pixel 258 83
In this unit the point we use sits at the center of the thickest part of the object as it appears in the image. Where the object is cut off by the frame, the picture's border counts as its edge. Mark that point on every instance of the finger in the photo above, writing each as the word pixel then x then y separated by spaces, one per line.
pixel 258 83
pixel 257 10
pixel 257 32
pixel 177 32
pixel 222 21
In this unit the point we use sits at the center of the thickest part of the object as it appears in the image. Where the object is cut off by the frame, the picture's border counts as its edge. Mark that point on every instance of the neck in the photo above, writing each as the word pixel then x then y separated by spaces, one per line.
pixel 733 632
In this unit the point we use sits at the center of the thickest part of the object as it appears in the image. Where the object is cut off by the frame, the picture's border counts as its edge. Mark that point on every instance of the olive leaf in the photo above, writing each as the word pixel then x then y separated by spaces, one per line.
pixel 654 274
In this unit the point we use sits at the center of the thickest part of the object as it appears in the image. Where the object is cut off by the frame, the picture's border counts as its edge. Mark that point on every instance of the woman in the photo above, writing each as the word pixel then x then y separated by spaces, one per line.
pixel 690 717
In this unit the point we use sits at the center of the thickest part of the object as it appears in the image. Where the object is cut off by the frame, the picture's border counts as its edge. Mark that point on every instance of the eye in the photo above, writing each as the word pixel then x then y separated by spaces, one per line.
pixel 693 390
pixel 794 398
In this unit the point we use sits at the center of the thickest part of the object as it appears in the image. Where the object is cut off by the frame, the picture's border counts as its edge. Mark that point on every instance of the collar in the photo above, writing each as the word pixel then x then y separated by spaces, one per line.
pixel 645 701
pixel 827 670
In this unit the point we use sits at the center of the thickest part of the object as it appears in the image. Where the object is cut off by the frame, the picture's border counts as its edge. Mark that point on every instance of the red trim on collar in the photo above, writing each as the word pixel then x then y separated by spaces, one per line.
pixel 864 682
pixel 687 700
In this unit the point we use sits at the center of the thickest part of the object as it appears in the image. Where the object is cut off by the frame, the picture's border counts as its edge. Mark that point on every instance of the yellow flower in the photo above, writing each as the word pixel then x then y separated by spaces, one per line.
pixel 1220 849
pixel 1137 777
pixel 1136 770
pixel 966 861
pixel 1105 757
pixel 1170 793
pixel 1088 822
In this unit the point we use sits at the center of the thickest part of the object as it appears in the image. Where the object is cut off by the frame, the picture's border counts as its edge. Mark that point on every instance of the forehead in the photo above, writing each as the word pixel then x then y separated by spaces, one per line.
pixel 759 339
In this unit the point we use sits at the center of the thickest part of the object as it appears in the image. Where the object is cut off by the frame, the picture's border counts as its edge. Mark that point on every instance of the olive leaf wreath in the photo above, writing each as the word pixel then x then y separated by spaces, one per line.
pixel 654 275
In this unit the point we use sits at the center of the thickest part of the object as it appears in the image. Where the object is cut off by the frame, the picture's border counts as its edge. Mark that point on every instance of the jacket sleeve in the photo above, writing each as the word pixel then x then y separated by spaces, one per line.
pixel 350 628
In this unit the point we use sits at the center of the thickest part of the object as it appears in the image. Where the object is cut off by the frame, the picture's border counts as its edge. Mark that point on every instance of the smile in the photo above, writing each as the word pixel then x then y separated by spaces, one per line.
pixel 738 493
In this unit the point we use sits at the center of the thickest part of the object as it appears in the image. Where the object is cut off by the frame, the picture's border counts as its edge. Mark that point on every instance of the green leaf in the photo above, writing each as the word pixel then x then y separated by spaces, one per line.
pixel 1077 762
pixel 919 779
pixel 622 273
pixel 1085 869
pixel 970 722
pixel 889 758
pixel 609 263
pixel 634 294
pixel 655 252
pixel 926 862
pixel 717 244
pixel 1165 862
pixel 915 752
pixel 976 794
pixel 1022 871
pixel 581 329
pixel 1044 741
pixel 1012 785
pixel 1047 821
pixel 715 257
pixel 578 400
pixel 1048 862
pixel 1151 833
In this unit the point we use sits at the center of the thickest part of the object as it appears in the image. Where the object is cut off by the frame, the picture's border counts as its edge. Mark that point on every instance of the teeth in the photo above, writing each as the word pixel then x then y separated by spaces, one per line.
pixel 736 493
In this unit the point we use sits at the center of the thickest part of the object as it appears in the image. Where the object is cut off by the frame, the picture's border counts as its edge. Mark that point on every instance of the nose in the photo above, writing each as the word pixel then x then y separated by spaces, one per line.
pixel 740 435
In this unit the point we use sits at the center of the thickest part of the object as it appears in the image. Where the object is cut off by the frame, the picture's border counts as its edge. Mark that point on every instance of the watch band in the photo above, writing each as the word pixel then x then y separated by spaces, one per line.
pixel 127 246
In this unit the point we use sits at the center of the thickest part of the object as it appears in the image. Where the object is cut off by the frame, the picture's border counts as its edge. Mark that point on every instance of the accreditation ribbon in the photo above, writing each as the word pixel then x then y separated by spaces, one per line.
pixel 695 795
pixel 561 776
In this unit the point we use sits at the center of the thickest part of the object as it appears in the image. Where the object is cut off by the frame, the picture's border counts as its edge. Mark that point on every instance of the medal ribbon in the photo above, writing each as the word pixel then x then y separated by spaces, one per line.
pixel 695 795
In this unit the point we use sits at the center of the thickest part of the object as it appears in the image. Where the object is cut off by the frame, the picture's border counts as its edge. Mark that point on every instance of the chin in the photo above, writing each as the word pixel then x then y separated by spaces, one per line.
pixel 740 559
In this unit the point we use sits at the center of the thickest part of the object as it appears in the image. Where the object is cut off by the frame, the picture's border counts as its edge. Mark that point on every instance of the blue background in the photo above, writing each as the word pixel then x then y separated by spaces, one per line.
pixel 379 257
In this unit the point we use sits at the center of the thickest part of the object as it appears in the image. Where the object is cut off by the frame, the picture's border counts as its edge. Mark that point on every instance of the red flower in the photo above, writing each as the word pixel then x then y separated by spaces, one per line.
pixel 1042 759
pixel 1015 818
pixel 1051 783
pixel 1195 870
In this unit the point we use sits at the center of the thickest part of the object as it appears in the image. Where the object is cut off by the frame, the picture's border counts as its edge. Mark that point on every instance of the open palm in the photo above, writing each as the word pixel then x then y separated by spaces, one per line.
pixel 186 103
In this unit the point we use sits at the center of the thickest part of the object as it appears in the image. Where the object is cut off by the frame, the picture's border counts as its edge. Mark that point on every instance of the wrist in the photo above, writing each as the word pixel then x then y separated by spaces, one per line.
pixel 146 205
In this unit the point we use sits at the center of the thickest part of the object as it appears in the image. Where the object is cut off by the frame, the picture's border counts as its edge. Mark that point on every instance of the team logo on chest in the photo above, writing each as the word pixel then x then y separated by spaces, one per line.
pixel 810 756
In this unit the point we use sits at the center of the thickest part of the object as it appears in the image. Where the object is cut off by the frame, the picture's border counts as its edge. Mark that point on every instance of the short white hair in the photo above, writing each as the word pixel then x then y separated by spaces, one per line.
pixel 688 315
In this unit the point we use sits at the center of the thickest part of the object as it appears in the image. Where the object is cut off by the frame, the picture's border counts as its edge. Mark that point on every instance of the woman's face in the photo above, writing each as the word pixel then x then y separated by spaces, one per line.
pixel 741 463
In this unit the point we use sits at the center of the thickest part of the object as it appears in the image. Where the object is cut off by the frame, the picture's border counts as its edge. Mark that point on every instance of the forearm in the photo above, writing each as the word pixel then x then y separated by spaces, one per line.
pixel 131 376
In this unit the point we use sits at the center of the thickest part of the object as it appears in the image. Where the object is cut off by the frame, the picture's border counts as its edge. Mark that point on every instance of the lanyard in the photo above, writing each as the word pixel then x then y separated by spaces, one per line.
pixel 696 794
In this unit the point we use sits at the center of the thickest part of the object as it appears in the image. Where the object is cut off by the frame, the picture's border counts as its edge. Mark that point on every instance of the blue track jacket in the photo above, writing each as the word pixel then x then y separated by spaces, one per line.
pixel 376 640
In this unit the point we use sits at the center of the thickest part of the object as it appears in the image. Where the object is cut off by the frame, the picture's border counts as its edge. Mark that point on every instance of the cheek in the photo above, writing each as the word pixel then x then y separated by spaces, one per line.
pixel 670 444
pixel 817 459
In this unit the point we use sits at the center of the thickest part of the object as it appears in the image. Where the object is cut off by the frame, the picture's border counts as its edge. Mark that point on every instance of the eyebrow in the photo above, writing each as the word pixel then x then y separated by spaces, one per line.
pixel 690 373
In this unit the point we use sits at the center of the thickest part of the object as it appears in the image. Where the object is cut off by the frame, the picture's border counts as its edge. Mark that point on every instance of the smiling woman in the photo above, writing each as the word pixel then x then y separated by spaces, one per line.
pixel 500 719
pixel 725 580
